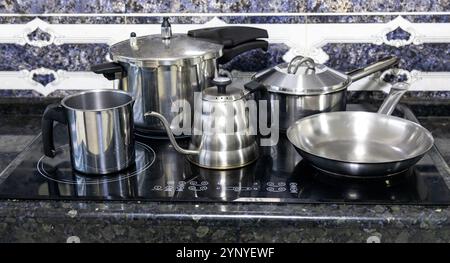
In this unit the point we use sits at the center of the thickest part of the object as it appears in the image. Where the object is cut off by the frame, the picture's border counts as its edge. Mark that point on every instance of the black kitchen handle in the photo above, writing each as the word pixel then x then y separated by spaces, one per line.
pixel 254 86
pixel 53 112
pixel 230 53
pixel 111 70
pixel 229 36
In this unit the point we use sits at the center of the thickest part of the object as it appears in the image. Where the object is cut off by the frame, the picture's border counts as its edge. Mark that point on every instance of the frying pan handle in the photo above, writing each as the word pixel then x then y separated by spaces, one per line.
pixel 395 94
pixel 380 65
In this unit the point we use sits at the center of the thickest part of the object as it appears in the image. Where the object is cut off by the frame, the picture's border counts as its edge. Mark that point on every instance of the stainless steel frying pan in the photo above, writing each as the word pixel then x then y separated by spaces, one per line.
pixel 361 144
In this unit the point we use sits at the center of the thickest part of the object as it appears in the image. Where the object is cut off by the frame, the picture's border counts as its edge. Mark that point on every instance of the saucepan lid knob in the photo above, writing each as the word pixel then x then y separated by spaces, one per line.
pixel 297 61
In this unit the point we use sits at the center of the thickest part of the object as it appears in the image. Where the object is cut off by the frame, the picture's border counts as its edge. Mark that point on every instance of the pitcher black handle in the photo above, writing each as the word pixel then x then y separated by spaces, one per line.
pixel 53 112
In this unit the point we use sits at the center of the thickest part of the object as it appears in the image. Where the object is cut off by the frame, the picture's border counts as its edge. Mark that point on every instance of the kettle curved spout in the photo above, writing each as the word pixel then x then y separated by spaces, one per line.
pixel 177 147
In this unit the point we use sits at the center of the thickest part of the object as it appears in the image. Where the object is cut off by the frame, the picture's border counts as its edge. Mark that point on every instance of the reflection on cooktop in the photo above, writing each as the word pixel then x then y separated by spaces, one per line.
pixel 59 168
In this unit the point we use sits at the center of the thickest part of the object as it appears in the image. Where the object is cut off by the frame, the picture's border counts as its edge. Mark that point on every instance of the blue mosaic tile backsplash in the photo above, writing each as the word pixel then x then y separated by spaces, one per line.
pixel 220 6
pixel 78 57
pixel 70 57
pixel 425 57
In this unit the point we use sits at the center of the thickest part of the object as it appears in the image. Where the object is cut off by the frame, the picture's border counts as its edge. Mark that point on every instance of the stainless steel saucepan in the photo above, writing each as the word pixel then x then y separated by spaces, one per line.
pixel 304 87
pixel 361 144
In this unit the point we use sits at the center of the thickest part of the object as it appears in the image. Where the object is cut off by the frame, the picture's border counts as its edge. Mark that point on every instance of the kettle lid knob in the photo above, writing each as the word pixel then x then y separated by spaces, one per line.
pixel 221 83
pixel 222 80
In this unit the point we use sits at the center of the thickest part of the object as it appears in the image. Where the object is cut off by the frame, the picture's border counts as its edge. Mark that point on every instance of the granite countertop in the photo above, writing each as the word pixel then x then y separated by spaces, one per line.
pixel 58 221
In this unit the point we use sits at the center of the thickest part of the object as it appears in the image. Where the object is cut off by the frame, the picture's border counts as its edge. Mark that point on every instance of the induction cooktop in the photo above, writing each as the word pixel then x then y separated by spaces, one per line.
pixel 163 175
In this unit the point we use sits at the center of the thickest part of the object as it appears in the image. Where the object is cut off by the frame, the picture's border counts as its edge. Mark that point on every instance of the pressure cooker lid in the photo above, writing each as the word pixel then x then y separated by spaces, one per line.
pixel 221 91
pixel 155 50
pixel 302 76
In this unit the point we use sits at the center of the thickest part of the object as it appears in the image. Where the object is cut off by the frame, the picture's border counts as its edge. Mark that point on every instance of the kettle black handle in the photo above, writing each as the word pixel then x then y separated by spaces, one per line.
pixel 110 70
pixel 53 112
pixel 230 53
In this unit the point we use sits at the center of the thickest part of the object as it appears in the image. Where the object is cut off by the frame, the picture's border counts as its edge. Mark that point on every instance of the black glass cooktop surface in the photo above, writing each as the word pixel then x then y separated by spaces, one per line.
pixel 161 174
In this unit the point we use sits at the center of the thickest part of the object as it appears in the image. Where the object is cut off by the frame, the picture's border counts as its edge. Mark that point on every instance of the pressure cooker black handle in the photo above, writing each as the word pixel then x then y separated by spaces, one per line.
pixel 254 86
pixel 53 112
pixel 230 53
pixel 111 70
pixel 229 36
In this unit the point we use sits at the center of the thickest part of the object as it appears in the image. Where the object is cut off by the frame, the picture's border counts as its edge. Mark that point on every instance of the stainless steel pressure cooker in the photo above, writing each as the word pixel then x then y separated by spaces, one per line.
pixel 161 69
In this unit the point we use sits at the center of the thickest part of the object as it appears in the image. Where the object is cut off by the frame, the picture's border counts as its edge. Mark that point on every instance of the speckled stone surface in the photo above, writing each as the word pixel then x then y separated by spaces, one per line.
pixel 257 60
pixel 343 56
pixel 425 57
pixel 199 6
pixel 159 222
pixel 51 221
pixel 378 5
pixel 258 19
pixel 71 57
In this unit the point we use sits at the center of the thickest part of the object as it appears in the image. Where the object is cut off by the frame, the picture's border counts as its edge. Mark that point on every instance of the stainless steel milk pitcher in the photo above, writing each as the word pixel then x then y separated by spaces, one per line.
pixel 100 125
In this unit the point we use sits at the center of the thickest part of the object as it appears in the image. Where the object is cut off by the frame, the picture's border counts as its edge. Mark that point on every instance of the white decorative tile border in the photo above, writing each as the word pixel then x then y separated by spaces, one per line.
pixel 303 39
pixel 64 80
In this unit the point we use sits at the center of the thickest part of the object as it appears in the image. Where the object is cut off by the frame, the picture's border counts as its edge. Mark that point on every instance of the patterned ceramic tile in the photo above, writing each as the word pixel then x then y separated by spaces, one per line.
pixel 321 6
pixel 80 57
pixel 349 19
pixel 15 19
pixel 63 6
pixel 228 19
pixel 219 6
pixel 263 19
pixel 375 18
pixel 71 57
pixel 39 34
pixel 173 20
pixel 241 6
pixel 84 19
pixel 257 60
pixel 429 19
pixel 398 33
pixel 425 57
pixel 44 79
pixel 148 6
pixel 18 93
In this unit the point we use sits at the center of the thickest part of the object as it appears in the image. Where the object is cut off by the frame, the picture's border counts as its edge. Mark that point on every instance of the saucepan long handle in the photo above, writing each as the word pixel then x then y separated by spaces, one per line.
pixel 393 98
pixel 380 65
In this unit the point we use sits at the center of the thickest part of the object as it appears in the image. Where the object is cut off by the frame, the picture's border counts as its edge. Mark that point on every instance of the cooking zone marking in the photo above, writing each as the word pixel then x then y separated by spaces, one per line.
pixel 93 180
